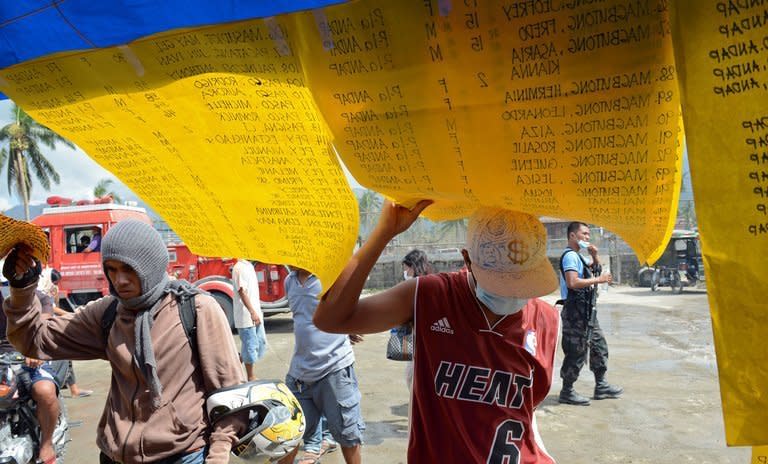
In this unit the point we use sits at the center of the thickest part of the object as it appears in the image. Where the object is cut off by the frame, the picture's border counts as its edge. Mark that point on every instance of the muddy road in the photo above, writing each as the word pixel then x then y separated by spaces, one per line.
pixel 661 352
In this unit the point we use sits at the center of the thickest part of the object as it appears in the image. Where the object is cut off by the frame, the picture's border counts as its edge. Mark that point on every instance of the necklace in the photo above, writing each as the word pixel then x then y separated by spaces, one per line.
pixel 490 328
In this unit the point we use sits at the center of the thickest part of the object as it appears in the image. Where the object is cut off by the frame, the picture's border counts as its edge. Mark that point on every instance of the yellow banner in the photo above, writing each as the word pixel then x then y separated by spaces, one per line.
pixel 722 54
pixel 759 455
pixel 216 130
pixel 553 108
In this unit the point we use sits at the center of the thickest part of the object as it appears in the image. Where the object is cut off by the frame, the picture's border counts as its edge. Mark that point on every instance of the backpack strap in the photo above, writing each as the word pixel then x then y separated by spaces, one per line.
pixel 587 269
pixel 187 314
pixel 108 318
pixel 562 257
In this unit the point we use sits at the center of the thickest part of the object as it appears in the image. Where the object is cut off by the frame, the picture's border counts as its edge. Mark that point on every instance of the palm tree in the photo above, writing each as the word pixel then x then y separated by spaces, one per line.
pixel 687 213
pixel 686 210
pixel 23 154
pixel 102 189
pixel 456 227
pixel 370 205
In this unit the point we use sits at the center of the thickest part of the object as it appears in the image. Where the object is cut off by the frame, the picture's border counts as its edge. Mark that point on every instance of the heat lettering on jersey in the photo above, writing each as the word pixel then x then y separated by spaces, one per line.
pixel 481 384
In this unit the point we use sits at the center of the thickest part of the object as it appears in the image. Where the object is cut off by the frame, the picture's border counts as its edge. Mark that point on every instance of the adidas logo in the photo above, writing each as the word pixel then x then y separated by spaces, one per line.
pixel 442 325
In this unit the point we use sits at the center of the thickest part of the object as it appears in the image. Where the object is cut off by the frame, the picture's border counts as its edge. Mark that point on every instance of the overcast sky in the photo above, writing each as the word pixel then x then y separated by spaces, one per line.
pixel 79 173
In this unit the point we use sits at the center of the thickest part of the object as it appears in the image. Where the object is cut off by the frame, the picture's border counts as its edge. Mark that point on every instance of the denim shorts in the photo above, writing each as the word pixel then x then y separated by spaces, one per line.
pixel 192 457
pixel 337 397
pixel 44 373
pixel 254 343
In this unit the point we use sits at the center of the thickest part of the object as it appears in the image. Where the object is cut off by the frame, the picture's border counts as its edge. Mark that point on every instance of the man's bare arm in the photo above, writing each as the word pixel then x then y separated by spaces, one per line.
pixel 342 311
pixel 592 249
pixel 247 302
pixel 574 282
pixel 60 312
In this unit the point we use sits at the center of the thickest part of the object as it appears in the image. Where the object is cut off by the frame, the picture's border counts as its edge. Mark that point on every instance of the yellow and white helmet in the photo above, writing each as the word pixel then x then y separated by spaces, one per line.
pixel 275 419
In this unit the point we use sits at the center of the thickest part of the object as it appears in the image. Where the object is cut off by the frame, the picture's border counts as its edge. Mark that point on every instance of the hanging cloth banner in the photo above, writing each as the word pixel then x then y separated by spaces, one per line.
pixel 553 108
pixel 722 55
pixel 216 131
pixel 224 130
pixel 32 29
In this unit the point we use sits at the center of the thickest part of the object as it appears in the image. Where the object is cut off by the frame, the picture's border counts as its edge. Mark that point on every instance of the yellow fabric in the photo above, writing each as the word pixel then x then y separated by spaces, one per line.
pixel 496 104
pixel 759 455
pixel 222 129
pixel 237 164
pixel 721 57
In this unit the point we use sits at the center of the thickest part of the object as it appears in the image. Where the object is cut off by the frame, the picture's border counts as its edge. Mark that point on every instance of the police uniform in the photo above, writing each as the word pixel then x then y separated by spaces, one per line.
pixel 582 334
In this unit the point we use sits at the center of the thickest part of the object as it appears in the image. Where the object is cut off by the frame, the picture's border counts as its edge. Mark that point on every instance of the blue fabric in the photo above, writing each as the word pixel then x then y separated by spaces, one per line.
pixel 315 353
pixel 335 397
pixel 44 373
pixel 571 262
pixel 34 28
pixel 314 443
pixel 95 244
pixel 195 457
pixel 254 343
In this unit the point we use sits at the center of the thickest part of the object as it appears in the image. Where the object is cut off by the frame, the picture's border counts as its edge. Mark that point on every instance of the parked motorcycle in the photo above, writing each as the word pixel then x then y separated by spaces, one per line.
pixel 680 264
pixel 19 428
pixel 666 276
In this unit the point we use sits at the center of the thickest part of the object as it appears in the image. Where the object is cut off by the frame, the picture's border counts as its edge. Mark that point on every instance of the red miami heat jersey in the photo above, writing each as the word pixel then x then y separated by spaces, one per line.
pixel 475 388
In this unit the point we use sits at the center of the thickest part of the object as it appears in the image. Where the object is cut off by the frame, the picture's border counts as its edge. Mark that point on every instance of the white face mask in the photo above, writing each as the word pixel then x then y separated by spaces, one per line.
pixel 499 305
pixel 406 276
pixel 583 245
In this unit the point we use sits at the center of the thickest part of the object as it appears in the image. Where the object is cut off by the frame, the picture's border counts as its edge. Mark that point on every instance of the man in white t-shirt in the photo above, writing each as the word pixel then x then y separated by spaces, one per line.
pixel 247 315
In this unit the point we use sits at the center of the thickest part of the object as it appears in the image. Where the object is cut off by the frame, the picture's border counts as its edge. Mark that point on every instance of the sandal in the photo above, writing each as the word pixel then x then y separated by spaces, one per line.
pixel 328 447
pixel 51 460
pixel 309 458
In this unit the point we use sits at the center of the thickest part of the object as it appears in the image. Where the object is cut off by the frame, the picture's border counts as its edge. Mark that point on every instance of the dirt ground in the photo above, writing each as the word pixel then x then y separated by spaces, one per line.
pixel 661 352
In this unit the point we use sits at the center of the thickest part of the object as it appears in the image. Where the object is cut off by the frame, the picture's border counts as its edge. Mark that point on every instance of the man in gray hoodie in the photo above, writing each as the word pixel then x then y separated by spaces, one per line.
pixel 155 406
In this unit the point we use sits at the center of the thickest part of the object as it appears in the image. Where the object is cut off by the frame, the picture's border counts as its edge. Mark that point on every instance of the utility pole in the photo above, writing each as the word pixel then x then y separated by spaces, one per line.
pixel 617 276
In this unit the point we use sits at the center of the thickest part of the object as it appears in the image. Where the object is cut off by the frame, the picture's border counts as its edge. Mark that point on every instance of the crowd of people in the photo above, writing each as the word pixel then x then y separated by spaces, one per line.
pixel 466 405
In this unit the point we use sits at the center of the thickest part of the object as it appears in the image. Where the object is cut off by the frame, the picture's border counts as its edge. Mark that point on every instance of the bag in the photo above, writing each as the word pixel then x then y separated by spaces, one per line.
pixel 400 346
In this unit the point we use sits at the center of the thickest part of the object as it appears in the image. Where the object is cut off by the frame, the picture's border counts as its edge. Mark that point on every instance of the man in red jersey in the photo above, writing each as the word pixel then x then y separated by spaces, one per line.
pixel 484 344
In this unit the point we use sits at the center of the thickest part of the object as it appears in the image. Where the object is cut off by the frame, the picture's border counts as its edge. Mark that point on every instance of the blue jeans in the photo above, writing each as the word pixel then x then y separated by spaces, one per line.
pixel 336 397
pixel 314 443
pixel 254 343
pixel 44 373
pixel 193 457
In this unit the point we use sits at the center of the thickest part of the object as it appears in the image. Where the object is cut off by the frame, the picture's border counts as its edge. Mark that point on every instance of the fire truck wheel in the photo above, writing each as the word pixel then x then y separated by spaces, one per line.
pixel 226 305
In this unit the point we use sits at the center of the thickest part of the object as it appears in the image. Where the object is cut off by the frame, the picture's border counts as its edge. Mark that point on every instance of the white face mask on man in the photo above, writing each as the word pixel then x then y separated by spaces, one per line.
pixel 406 276
pixel 499 305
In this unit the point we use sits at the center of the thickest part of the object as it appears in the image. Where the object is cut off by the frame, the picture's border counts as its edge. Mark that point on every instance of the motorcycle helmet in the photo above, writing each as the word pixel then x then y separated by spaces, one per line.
pixel 275 419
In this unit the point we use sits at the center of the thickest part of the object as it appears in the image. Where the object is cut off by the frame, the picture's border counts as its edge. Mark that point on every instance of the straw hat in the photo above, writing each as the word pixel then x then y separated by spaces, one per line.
pixel 508 250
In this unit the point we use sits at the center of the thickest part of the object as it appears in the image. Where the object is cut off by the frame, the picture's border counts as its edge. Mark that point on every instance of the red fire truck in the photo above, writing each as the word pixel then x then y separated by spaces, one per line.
pixel 213 275
pixel 71 226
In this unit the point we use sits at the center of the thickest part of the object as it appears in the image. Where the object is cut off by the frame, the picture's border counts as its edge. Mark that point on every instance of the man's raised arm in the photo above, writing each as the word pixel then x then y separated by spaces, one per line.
pixel 342 311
